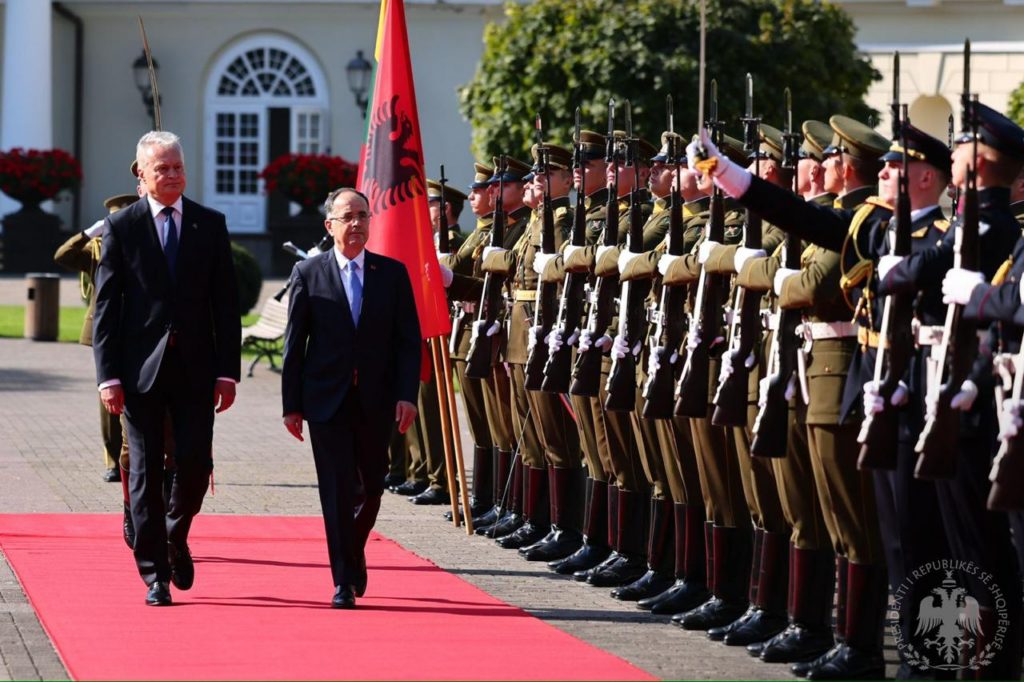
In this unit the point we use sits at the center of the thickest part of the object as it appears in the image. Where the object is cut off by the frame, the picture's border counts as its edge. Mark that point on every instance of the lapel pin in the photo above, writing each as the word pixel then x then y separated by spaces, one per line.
pixel 195 226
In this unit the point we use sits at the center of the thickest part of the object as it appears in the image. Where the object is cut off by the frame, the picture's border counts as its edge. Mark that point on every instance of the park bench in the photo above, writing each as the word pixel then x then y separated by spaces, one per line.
pixel 264 337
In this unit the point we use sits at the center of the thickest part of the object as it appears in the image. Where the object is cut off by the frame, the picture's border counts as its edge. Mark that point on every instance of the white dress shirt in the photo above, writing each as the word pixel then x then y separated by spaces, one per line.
pixel 343 268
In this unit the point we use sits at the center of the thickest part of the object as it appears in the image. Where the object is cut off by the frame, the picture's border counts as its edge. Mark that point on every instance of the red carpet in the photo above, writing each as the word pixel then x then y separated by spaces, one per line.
pixel 259 610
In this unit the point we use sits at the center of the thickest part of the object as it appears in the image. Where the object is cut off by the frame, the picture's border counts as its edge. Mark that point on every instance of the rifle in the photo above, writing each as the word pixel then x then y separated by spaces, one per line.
pixel 670 323
pixel 745 330
pixel 157 120
pixel 480 357
pixel 938 442
pixel 956 190
pixel 772 423
pixel 289 247
pixel 559 365
pixel 443 243
pixel 692 389
pixel 587 374
pixel 547 293
pixel 621 385
pixel 1006 493
pixel 879 432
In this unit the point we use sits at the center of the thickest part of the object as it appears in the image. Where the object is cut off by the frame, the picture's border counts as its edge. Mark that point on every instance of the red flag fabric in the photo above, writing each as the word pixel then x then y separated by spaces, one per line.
pixel 392 175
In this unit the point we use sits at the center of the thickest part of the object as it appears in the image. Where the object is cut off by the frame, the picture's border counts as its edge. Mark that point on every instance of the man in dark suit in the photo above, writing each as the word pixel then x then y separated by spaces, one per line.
pixel 166 339
pixel 351 369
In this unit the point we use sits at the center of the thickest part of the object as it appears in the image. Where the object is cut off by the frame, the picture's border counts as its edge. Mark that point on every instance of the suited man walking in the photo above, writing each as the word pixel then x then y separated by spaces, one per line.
pixel 351 369
pixel 166 338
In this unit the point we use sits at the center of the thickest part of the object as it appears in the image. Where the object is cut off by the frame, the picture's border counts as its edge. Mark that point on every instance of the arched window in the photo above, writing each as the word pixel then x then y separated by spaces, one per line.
pixel 266 95
pixel 930 113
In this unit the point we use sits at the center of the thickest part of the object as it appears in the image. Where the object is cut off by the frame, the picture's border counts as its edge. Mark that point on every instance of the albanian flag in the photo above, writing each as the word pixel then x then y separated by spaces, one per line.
pixel 391 172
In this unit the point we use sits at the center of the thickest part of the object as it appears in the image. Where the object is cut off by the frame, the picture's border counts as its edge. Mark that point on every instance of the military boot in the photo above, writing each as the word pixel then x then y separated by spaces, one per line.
pixel 536 511
pixel 719 633
pixel 660 555
pixel 860 656
pixel 514 518
pixel 632 531
pixel 690 589
pixel 731 571
pixel 612 526
pixel 502 462
pixel 772 594
pixel 809 635
pixel 567 500
pixel 128 526
pixel 480 500
pixel 595 539
pixel 801 669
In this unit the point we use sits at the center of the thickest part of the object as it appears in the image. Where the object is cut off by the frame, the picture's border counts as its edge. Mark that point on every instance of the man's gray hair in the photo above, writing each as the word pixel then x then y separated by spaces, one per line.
pixel 329 201
pixel 157 138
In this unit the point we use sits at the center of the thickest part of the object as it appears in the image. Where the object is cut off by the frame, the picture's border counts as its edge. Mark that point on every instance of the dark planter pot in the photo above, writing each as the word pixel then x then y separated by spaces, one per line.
pixel 303 230
pixel 31 237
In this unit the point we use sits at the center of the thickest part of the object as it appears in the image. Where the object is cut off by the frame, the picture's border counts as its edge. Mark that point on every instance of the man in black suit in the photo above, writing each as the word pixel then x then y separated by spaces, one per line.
pixel 351 369
pixel 166 338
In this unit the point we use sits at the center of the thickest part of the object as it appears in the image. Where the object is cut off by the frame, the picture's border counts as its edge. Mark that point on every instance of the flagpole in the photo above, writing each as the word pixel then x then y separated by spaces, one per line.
pixel 442 398
pixel 454 423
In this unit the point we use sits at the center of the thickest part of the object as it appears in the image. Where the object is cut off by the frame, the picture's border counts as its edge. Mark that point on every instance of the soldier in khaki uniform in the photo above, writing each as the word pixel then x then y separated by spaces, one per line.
pixel 81 254
pixel 836 275
pixel 599 518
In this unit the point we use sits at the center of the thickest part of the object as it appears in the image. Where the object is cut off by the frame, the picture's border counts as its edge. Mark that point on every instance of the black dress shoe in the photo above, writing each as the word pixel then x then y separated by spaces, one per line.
pixel 796 644
pixel 557 545
pixel 719 633
pixel 680 598
pixel 508 525
pixel 113 475
pixel 488 518
pixel 344 597
pixel 801 669
pixel 760 627
pixel 622 572
pixel 582 575
pixel 159 594
pixel 849 664
pixel 583 559
pixel 431 496
pixel 409 488
pixel 128 527
pixel 713 613
pixel 183 571
pixel 393 481
pixel 360 584
pixel 527 534
pixel 649 584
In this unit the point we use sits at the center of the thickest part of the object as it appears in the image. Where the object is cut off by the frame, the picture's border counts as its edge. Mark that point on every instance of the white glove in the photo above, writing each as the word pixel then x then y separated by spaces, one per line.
pixel 654 362
pixel 1011 421
pixel 887 263
pixel 780 278
pixel 665 262
pixel 315 251
pixel 533 337
pixel 555 341
pixel 491 249
pixel 964 400
pixel 1022 290
pixel 732 179
pixel 441 255
pixel 620 348
pixel 743 254
pixel 601 250
pixel 959 284
pixel 478 327
pixel 94 230
pixel 791 388
pixel 692 340
pixel 625 258
pixel 541 260
pixel 727 369
pixel 762 391
pixel 446 275
pixel 586 340
pixel 704 252
pixel 873 402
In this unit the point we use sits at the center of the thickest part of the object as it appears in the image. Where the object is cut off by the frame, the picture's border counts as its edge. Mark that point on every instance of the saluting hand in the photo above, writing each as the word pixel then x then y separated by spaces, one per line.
pixel 405 413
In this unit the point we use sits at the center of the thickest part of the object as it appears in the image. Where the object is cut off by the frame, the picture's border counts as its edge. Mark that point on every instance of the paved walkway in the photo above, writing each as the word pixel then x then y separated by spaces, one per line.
pixel 50 461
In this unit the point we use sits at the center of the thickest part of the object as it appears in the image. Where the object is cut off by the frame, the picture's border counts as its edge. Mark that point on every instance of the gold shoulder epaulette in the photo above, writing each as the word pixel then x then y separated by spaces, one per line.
pixel 941 225
pixel 877 201
pixel 923 232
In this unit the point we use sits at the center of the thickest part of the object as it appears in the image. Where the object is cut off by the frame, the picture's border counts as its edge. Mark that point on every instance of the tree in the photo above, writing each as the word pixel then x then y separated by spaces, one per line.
pixel 1016 108
pixel 551 56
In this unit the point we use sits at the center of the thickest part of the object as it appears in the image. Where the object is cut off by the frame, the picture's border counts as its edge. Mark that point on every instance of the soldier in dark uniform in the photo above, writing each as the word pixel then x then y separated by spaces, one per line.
pixel 81 254
pixel 842 239
pixel 990 296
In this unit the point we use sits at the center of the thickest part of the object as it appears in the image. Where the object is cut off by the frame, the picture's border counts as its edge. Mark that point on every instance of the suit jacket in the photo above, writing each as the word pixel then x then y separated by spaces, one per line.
pixel 325 353
pixel 138 303
pixel 77 255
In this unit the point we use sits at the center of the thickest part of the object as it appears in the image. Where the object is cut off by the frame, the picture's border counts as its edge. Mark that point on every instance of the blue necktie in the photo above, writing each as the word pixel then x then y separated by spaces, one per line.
pixel 170 242
pixel 356 289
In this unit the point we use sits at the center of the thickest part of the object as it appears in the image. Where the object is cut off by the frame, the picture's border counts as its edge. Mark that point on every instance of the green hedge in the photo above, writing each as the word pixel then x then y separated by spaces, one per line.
pixel 250 278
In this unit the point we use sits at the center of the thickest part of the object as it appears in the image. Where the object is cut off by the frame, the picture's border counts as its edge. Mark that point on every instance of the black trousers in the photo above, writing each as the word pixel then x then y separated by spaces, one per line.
pixel 351 463
pixel 191 415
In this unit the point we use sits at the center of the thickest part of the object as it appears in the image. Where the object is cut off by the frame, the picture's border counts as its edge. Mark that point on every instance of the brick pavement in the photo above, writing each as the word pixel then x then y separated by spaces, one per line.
pixel 50 461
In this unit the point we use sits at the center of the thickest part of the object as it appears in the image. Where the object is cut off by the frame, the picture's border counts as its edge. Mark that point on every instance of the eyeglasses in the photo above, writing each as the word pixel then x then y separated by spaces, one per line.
pixel 353 218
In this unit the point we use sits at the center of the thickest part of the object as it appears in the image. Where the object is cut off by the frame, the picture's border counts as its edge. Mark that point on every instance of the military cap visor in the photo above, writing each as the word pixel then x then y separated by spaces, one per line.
pixel 996 131
pixel 116 203
pixel 558 158
pixel 593 144
pixel 450 193
pixel 856 139
pixel 663 155
pixel 515 171
pixel 920 147
pixel 482 177
pixel 771 144
pixel 817 138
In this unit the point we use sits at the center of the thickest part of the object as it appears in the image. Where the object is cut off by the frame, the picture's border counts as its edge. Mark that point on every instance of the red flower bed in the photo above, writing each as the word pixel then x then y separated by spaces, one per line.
pixel 34 175
pixel 308 178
